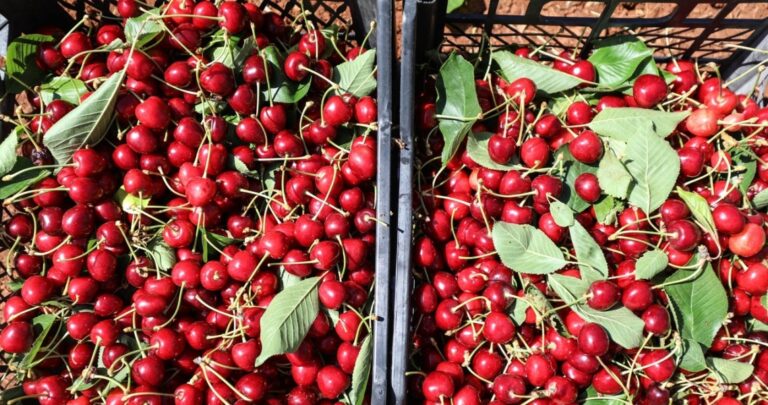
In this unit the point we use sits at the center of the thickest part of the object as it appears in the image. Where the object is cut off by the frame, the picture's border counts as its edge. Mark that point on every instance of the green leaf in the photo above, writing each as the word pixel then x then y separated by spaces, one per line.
pixel 63 88
pixel 210 106
pixel 616 59
pixel 225 53
pixel 547 79
pixel 730 371
pixel 699 209
pixel 607 209
pixel 144 29
pixel 700 301
pixel 43 323
pixel 22 181
pixel 162 255
pixel 361 372
pixel 650 264
pixel 692 358
pixel 456 103
pixel 526 249
pixel 626 123
pixel 477 148
pixel 569 289
pixel 760 201
pixel 281 89
pixel 130 203
pixel 8 153
pixel 654 165
pixel 561 213
pixel 746 159
pixel 588 253
pixel 287 279
pixel 758 326
pixel 613 177
pixel 87 124
pixel 20 64
pixel 540 304
pixel 573 169
pixel 288 318
pixel 358 76
pixel 624 327
pixel 454 5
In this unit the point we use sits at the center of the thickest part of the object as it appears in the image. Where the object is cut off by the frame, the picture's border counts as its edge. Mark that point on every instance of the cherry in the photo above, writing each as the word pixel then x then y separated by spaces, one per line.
pixel 521 91
pixel 657 364
pixel 233 17
pixel 593 340
pixel 36 289
pixel 649 90
pixel 75 45
pixel 702 123
pixel 509 389
pixel 587 187
pixel 332 381
pixel 501 149
pixel 217 79
pixel 684 235
pixel 586 148
pixel 437 386
pixel 608 381
pixel 637 296
pixel 498 328
pixel 754 279
pixel 366 110
pixel 148 370
pixel 294 66
pixel 579 113
pixel 603 295
pixel 584 70
pixel 748 242
pixel 561 390
pixel 535 153
pixel 656 319
pixel 539 369
pixel 16 337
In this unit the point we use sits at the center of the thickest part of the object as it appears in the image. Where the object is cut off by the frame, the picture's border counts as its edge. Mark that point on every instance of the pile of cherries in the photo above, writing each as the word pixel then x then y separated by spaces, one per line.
pixel 470 347
pixel 145 263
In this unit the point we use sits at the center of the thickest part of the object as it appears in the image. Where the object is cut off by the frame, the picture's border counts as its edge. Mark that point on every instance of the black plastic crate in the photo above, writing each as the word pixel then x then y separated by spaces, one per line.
pixel 357 16
pixel 706 30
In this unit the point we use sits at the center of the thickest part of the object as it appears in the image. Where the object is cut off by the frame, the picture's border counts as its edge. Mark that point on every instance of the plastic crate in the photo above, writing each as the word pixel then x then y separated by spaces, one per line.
pixel 356 16
pixel 689 29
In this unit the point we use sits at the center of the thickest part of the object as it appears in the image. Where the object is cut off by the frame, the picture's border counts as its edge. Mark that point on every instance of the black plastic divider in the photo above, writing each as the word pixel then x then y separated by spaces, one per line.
pixel 384 96
pixel 362 13
pixel 402 277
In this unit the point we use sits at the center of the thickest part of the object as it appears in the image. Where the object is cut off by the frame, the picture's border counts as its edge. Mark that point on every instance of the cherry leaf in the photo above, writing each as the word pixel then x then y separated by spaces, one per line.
pixel 617 59
pixel 20 182
pixel 692 358
pixel 457 104
pixel 650 264
pixel 700 210
pixel 361 373
pixel 547 79
pixel 358 76
pixel 288 318
pixel 654 165
pixel 730 371
pixel 626 123
pixel 700 301
pixel 526 249
pixel 561 213
pixel 20 62
pixel 142 30
pixel 8 155
pixel 760 201
pixel 588 253
pixel 87 124
pixel 63 88
pixel 613 178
